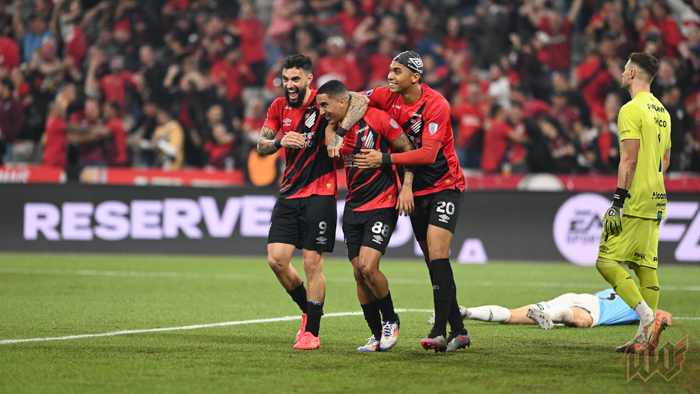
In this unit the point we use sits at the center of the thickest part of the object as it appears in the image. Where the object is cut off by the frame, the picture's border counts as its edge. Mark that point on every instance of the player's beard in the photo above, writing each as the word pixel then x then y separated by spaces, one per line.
pixel 625 84
pixel 301 93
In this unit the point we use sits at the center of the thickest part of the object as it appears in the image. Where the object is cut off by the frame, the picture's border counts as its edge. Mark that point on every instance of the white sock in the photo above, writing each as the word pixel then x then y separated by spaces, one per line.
pixel 560 315
pixel 492 313
pixel 646 315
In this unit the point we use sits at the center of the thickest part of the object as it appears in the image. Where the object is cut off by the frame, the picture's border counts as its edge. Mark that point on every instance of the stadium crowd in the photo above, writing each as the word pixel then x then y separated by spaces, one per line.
pixel 533 84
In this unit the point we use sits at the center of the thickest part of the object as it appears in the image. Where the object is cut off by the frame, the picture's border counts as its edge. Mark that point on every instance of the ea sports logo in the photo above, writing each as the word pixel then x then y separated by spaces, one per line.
pixel 577 227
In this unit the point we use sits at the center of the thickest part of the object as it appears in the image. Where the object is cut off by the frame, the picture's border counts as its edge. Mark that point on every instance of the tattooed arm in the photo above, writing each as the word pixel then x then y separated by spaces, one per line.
pixel 267 144
pixel 405 201
pixel 356 110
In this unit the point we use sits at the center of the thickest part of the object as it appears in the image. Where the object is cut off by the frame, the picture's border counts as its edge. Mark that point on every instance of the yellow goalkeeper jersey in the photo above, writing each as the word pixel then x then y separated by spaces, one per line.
pixel 645 119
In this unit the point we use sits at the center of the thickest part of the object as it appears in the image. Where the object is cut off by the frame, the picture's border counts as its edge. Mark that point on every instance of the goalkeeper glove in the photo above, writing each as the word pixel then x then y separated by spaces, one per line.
pixel 613 217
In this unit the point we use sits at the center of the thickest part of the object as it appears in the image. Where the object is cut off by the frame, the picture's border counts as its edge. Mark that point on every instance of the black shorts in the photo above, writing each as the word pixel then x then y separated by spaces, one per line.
pixel 307 223
pixel 440 209
pixel 372 229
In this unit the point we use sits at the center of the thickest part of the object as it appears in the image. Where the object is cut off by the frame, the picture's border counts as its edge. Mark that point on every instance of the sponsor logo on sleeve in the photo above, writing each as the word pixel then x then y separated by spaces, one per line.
pixel 393 124
pixel 432 128
pixel 369 92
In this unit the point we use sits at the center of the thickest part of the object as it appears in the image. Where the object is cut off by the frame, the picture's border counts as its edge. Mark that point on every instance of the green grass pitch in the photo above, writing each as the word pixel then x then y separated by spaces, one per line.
pixel 54 295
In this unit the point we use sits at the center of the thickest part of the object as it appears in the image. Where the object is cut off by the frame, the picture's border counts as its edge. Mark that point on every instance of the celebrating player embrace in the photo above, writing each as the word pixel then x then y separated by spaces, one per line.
pixel 371 207
pixel 438 186
pixel 304 216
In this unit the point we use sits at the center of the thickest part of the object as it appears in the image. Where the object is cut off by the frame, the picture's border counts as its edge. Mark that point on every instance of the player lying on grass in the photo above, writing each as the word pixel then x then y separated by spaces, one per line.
pixel 604 308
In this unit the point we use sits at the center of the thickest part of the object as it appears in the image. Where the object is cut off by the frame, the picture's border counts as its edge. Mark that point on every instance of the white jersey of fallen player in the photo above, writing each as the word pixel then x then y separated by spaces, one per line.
pixel 606 307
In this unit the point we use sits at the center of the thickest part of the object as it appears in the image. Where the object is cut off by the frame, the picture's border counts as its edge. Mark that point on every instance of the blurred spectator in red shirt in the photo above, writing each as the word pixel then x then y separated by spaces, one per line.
pixel 667 26
pixel 91 147
pixel 116 143
pixel 603 151
pixel 557 32
pixel 251 31
pixel 113 85
pixel 532 107
pixel 498 134
pixel 592 78
pixel 561 149
pixel 10 120
pixel 253 123
pixel 379 63
pixel 55 146
pixel 9 52
pixel 232 74
pixel 517 153
pixel 567 115
pixel 345 21
pixel 220 149
pixel 470 116
pixel 338 65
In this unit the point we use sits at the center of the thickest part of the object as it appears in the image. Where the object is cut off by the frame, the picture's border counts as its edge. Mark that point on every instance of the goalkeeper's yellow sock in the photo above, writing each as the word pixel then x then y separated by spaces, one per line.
pixel 620 280
pixel 648 285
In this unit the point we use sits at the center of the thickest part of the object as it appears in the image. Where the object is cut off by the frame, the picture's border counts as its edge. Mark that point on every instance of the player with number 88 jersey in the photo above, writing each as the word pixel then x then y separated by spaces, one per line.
pixel 371 206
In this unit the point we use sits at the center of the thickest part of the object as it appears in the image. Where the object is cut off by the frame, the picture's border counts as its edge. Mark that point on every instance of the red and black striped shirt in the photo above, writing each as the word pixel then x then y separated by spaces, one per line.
pixel 375 188
pixel 309 170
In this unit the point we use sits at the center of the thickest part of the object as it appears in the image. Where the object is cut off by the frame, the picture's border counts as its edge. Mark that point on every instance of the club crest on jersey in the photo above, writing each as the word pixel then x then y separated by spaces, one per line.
pixel 432 128
pixel 328 185
pixel 287 122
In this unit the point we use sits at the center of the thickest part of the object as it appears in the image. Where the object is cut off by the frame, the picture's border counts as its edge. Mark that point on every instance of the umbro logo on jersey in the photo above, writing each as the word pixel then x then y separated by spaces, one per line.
pixel 362 130
pixel 378 239
pixel 444 218
pixel 311 120
pixel 395 106
pixel 321 240
pixel 287 122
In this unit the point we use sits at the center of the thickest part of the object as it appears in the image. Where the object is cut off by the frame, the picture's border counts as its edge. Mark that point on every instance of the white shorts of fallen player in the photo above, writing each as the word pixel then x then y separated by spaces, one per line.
pixel 588 302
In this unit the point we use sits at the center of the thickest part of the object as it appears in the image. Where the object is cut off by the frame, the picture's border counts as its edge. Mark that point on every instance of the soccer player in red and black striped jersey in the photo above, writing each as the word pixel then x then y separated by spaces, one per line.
pixel 304 216
pixel 438 186
pixel 372 207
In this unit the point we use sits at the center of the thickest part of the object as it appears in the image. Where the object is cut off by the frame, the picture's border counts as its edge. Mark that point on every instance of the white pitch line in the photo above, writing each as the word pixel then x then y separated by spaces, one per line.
pixel 193 327
pixel 223 324
pixel 188 275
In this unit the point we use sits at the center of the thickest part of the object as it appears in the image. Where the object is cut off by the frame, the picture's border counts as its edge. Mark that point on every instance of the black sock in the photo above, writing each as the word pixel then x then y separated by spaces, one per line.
pixel 443 288
pixel 387 307
pixel 374 321
pixel 298 294
pixel 455 318
pixel 313 317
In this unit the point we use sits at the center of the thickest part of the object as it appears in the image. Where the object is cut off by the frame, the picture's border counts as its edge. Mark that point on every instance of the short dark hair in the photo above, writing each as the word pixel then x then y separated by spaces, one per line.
pixel 113 104
pixel 647 62
pixel 495 109
pixel 334 89
pixel 298 61
pixel 8 82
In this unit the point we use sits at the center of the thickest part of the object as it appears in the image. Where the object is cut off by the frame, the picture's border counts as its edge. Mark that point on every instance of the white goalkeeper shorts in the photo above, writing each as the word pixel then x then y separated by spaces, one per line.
pixel 587 302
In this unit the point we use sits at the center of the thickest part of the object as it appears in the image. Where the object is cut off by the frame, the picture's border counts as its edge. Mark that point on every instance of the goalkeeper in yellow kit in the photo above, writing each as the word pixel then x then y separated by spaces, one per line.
pixel 631 233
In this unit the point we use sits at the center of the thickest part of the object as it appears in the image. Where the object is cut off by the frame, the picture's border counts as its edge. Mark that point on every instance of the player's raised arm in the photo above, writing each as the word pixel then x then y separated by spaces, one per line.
pixel 357 107
pixel 268 144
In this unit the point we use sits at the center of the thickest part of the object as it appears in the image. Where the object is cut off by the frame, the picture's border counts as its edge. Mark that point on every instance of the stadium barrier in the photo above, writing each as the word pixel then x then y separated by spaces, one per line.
pixel 505 225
